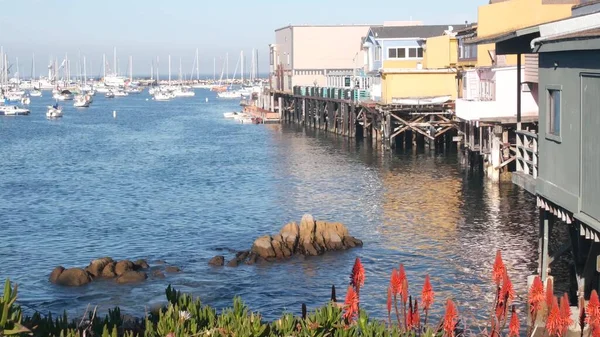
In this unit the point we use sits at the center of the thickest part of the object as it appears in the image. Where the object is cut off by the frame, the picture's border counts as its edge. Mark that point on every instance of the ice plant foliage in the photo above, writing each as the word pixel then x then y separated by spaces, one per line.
pixel 186 316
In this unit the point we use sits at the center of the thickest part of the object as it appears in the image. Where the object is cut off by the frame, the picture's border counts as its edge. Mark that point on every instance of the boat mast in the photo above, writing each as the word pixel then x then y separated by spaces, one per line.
pixel 214 69
pixel 197 66
pixel 130 69
pixel 227 65
pixel 152 70
pixel 32 68
pixel 242 66
pixel 103 66
pixel 157 76
pixel 84 72
pixel 180 74
pixel 169 70
pixel 252 68
pixel 1 70
pixel 18 75
pixel 115 61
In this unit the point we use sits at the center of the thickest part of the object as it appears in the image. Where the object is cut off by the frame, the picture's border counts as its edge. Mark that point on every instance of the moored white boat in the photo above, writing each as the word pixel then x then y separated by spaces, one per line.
pixel 120 93
pixel 82 101
pixel 64 95
pixel 163 96
pixel 184 93
pixel 109 94
pixel 13 110
pixel 54 111
pixel 230 115
pixel 230 94
pixel 35 93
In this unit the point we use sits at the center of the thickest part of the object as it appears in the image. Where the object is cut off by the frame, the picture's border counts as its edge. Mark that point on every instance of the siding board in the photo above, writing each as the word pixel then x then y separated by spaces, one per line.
pixel 531 68
pixel 590 138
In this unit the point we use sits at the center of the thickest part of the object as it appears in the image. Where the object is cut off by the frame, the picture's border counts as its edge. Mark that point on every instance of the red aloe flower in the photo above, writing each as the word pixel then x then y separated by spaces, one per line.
pixel 593 310
pixel 596 330
pixel 357 279
pixel 554 321
pixel 415 318
pixel 395 282
pixel 565 314
pixel 514 326
pixel 351 305
pixel 498 270
pixel 549 295
pixel 450 319
pixel 536 296
pixel 508 293
pixel 403 286
pixel 427 294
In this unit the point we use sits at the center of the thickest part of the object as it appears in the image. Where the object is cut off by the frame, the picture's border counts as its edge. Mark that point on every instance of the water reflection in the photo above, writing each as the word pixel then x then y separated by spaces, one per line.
pixel 181 185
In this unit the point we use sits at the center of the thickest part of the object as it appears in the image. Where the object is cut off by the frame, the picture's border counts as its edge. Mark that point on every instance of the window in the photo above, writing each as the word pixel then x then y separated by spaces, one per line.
pixel 378 53
pixel 405 53
pixel 553 112
pixel 347 82
pixel 288 59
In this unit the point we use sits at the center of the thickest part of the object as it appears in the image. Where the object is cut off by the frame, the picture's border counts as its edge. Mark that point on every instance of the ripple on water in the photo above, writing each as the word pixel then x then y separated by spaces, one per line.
pixel 175 181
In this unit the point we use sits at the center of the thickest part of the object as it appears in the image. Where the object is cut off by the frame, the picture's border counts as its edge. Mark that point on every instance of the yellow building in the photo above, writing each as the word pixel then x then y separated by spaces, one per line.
pixel 502 16
pixel 432 75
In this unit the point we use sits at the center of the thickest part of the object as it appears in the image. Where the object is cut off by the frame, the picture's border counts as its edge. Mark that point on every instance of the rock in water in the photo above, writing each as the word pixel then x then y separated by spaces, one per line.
pixel 123 266
pixel 310 238
pixel 97 266
pixel 141 264
pixel 109 271
pixel 172 269
pixel 56 273
pixel 132 277
pixel 217 261
pixel 73 277
pixel 263 247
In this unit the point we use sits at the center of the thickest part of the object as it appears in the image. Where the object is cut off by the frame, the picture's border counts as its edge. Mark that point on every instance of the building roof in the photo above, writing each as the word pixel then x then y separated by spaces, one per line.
pixel 582 35
pixel 400 32
pixel 326 26
pixel 588 3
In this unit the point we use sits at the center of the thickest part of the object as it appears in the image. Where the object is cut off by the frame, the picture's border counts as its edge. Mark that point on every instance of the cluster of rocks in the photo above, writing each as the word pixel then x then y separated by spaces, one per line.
pixel 123 272
pixel 310 238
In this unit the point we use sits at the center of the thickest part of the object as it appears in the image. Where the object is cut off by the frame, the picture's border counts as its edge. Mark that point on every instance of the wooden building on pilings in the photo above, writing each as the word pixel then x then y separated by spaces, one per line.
pixel 567 179
pixel 417 125
pixel 340 111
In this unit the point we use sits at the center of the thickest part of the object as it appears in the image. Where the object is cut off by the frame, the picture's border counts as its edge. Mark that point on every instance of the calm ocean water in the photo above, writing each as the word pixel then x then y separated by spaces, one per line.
pixel 175 181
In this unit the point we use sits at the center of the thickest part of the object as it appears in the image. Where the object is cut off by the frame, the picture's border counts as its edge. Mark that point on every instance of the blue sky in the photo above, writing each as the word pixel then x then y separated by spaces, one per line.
pixel 146 29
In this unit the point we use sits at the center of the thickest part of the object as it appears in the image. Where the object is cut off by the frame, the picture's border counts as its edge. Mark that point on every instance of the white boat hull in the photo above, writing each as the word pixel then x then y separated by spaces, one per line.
pixel 13 110
pixel 54 113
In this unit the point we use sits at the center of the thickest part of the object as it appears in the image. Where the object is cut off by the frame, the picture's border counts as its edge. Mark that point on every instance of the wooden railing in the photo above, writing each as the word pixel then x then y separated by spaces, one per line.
pixel 527 153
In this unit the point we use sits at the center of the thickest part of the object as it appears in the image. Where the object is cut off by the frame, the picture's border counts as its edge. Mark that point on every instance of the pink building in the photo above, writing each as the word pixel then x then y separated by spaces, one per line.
pixel 306 55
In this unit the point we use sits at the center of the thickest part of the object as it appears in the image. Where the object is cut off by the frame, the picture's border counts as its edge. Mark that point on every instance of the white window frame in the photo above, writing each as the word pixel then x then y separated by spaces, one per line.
pixel 406 53
pixel 377 53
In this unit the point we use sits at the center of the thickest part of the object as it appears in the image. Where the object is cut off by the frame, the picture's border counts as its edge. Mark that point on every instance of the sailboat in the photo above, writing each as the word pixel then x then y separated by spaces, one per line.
pixel 131 88
pixel 113 79
pixel 222 88
pixel 181 91
pixel 230 93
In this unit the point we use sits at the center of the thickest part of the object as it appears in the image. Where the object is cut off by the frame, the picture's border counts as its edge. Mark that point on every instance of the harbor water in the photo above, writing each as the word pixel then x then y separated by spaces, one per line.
pixel 175 181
